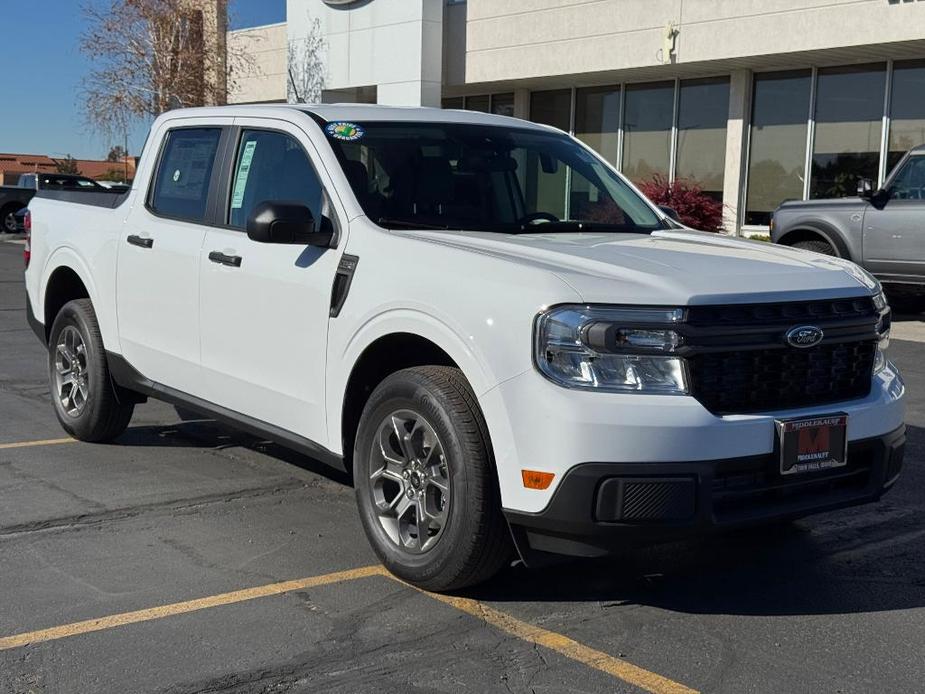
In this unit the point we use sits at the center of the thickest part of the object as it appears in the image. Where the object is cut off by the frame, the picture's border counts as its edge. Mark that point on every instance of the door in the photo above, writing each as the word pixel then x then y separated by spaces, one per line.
pixel 894 224
pixel 157 279
pixel 265 306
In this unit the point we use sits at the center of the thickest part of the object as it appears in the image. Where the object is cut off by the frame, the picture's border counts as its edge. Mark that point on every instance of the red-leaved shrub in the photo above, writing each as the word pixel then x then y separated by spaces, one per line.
pixel 695 208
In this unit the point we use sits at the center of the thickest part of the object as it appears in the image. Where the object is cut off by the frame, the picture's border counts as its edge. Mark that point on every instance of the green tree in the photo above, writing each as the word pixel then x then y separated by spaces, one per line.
pixel 68 165
pixel 116 153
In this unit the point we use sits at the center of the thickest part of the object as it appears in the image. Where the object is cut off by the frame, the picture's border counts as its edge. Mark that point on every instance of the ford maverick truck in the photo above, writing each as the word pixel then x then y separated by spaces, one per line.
pixel 510 349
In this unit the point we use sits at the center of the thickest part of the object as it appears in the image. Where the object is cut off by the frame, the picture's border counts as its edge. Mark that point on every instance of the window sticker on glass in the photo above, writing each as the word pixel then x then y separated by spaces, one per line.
pixel 348 132
pixel 244 168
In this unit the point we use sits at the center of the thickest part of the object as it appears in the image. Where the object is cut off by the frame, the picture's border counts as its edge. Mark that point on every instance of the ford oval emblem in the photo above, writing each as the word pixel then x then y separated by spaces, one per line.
pixel 804 336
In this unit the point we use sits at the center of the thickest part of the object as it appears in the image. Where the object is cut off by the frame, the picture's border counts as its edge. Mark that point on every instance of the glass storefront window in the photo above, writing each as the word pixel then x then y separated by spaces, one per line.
pixel 597 119
pixel 552 108
pixel 849 118
pixel 648 116
pixel 480 103
pixel 777 160
pixel 907 110
pixel 452 102
pixel 703 110
pixel 502 104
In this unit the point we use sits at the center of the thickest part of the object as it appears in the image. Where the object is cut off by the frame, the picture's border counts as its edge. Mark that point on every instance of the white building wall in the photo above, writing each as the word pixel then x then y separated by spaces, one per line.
pixel 261 76
pixel 525 39
pixel 393 45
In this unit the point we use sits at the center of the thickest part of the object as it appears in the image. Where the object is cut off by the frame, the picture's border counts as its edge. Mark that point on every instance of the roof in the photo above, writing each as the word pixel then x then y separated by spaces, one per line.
pixel 360 113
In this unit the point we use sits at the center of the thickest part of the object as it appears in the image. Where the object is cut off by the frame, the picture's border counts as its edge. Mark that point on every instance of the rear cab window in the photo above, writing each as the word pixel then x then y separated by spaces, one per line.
pixel 181 182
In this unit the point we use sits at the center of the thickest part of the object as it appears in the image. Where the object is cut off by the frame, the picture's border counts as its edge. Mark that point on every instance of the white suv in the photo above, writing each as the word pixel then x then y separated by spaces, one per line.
pixel 507 345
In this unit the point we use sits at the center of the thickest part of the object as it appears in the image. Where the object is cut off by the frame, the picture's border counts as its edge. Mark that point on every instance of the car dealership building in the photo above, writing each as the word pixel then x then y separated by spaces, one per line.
pixel 757 101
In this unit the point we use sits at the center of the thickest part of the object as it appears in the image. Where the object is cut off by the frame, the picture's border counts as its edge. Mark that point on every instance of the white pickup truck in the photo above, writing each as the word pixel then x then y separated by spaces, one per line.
pixel 508 346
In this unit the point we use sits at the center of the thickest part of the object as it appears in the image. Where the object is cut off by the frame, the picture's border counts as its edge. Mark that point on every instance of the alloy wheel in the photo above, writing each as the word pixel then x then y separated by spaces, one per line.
pixel 409 481
pixel 72 376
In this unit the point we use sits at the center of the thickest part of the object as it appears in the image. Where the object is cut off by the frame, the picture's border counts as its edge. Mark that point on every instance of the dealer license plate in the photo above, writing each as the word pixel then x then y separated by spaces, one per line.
pixel 813 444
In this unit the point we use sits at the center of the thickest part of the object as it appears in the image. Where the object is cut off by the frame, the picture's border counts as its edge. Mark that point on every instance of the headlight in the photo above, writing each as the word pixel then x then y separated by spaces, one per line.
pixel 626 350
pixel 883 330
pixel 879 361
pixel 880 302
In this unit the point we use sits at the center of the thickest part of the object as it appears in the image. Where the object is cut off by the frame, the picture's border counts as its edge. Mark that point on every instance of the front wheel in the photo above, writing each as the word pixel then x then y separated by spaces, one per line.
pixel 81 390
pixel 906 301
pixel 816 246
pixel 425 483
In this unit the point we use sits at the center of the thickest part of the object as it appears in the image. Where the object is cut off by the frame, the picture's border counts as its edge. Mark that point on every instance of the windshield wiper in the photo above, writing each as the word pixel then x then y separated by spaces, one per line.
pixel 389 223
pixel 569 225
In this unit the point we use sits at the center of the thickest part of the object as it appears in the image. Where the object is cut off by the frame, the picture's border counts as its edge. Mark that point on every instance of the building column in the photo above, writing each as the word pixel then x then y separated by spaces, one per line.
pixel 740 83
pixel 522 103
pixel 414 93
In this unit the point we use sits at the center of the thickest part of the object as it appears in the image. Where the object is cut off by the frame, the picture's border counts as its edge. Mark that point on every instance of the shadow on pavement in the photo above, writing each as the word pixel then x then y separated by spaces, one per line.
pixel 863 559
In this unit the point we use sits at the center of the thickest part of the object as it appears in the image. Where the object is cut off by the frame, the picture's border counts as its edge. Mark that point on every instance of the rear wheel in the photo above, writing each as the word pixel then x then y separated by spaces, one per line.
pixel 425 483
pixel 8 219
pixel 82 392
pixel 816 246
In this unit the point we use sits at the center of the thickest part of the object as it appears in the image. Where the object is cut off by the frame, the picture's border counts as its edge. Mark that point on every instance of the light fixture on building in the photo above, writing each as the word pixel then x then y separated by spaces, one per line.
pixel 668 42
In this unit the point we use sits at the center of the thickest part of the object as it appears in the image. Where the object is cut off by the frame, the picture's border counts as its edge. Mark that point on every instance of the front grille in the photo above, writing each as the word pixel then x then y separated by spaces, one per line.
pixel 772 379
pixel 739 360
pixel 791 312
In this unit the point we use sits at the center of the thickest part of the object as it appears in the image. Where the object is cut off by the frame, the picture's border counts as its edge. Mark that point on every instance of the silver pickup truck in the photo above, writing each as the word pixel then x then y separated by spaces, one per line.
pixel 881 230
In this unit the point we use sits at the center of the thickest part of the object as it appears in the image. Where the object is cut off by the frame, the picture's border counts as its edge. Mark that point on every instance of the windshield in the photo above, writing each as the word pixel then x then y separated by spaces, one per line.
pixel 483 178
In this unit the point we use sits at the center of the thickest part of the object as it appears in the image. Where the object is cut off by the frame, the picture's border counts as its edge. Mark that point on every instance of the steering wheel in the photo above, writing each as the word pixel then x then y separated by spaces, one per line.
pixel 535 218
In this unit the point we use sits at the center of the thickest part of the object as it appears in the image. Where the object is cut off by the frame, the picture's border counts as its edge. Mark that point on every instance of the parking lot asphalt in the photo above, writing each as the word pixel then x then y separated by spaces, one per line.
pixel 186 557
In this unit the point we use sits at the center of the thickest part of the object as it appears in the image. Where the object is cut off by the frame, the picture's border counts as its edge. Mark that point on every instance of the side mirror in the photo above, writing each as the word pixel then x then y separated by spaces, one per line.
pixel 865 188
pixel 670 212
pixel 276 221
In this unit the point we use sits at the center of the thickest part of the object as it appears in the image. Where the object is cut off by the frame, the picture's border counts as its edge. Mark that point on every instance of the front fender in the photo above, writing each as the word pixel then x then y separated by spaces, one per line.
pixel 465 352
pixel 832 235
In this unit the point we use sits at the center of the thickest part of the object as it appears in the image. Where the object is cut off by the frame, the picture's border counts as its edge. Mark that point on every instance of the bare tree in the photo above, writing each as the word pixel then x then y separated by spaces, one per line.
pixel 307 66
pixel 150 56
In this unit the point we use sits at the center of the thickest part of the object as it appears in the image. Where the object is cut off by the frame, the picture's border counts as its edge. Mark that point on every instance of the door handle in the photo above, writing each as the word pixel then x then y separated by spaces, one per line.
pixel 222 259
pixel 140 241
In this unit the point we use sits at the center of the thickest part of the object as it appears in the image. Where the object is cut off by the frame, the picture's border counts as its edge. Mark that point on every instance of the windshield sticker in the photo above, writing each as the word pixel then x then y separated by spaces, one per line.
pixel 347 132
pixel 244 168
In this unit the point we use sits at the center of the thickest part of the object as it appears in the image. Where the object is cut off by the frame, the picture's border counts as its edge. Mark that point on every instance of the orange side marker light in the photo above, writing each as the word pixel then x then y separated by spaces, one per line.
pixel 534 479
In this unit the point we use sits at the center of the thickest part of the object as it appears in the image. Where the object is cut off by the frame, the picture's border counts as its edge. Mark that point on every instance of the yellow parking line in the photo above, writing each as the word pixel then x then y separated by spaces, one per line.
pixel 118 620
pixel 616 667
pixel 29 444
pixel 559 643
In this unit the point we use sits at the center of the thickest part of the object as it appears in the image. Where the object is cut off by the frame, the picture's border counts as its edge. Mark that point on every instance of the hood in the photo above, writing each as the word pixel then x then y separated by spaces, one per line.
pixel 669 267
pixel 847 204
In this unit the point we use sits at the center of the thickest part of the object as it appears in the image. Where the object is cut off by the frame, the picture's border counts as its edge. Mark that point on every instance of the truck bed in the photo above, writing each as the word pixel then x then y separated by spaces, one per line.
pixel 97 198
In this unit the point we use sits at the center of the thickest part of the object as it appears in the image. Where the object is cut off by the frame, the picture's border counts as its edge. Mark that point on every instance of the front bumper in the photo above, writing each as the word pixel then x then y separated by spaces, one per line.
pixel 598 508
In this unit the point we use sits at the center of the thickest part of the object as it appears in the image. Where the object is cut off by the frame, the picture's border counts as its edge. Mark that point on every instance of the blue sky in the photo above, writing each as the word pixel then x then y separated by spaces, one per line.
pixel 40 79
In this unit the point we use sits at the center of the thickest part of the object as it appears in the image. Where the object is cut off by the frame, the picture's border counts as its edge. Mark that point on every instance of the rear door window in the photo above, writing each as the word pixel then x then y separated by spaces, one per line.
pixel 181 184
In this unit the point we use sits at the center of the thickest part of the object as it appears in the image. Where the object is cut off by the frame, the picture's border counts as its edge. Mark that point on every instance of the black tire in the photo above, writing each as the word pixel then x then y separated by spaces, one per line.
pixel 816 246
pixel 475 541
pixel 102 417
pixel 906 302
pixel 8 219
